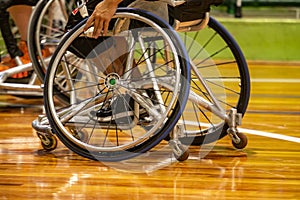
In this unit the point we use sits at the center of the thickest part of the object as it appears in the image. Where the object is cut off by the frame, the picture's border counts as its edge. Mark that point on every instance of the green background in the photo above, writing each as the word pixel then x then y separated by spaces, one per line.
pixel 266 39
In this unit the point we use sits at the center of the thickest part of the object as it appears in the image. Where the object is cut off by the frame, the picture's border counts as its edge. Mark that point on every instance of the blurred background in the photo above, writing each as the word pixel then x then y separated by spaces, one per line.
pixel 266 30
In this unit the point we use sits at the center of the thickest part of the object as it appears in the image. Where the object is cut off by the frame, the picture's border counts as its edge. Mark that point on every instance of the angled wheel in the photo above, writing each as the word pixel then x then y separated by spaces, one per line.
pixel 45 30
pixel 217 57
pixel 125 91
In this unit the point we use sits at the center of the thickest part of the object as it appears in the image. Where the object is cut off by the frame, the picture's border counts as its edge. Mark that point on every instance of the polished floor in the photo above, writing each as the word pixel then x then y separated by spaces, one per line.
pixel 268 168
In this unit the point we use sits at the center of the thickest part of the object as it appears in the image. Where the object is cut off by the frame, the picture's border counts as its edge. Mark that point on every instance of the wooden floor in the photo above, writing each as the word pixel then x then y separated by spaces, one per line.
pixel 268 168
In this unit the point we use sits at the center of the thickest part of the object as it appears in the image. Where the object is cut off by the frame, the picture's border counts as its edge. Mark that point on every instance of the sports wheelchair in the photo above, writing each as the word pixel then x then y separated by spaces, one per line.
pixel 145 82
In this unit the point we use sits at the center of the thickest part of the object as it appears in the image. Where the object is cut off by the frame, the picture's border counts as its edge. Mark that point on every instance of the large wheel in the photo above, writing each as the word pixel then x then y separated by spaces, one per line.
pixel 221 63
pixel 126 90
pixel 45 31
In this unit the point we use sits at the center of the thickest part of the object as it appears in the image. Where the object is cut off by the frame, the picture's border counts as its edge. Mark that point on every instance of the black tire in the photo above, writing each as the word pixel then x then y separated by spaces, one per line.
pixel 218 71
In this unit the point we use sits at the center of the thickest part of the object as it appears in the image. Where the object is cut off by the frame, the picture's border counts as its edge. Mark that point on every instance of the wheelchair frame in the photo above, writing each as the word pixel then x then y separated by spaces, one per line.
pixel 232 119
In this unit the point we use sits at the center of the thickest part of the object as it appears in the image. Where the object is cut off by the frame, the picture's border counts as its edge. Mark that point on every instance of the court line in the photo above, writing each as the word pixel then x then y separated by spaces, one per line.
pixel 270 135
pixel 255 132
pixel 259 20
pixel 275 80
pixel 262 80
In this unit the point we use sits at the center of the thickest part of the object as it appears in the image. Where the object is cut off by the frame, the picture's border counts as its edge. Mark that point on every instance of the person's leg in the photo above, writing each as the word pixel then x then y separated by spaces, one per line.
pixel 20 11
pixel 10 42
pixel 238 9
pixel 21 15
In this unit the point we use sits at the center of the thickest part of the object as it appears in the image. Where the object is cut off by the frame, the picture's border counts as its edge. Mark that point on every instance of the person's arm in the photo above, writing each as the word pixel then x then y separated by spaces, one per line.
pixel 101 16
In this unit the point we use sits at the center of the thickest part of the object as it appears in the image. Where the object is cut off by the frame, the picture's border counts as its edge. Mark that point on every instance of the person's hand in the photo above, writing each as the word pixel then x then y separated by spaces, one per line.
pixel 101 17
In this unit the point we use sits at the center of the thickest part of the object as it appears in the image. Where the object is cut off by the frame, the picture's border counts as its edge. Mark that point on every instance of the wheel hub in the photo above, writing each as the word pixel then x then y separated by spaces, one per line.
pixel 111 80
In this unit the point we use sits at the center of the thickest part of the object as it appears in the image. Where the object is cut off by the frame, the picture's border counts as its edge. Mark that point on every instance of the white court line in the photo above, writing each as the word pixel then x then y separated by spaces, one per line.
pixel 254 132
pixel 261 80
pixel 259 20
pixel 270 135
pixel 275 80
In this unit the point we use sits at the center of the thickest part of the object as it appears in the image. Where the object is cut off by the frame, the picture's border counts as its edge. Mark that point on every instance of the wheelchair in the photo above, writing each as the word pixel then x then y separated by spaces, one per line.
pixel 146 81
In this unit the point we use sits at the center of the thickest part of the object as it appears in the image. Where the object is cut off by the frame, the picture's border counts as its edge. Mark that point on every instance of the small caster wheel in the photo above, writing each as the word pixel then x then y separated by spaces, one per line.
pixel 242 143
pixel 184 155
pixel 49 142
